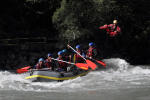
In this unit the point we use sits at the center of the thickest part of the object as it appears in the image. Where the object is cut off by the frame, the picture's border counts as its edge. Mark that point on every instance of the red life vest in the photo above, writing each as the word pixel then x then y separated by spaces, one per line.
pixel 78 57
pixel 90 52
pixel 67 58
pixel 39 66
pixel 61 64
pixel 48 63
pixel 111 29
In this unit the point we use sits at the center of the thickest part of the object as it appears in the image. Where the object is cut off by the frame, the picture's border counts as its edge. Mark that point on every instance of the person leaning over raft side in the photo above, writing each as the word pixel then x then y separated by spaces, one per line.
pixel 67 54
pixel 61 65
pixel 40 64
pixel 112 29
pixel 49 63
pixel 91 52
pixel 78 58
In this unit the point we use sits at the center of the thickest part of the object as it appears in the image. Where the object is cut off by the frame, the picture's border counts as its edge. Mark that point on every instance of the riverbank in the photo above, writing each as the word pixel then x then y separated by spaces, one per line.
pixel 23 51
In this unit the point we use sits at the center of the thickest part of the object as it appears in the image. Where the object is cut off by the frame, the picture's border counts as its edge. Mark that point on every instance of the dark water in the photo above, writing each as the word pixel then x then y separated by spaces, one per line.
pixel 121 81
pixel 119 94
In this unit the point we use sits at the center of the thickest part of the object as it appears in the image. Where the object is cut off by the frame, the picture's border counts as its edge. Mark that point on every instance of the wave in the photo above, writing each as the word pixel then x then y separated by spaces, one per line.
pixel 120 74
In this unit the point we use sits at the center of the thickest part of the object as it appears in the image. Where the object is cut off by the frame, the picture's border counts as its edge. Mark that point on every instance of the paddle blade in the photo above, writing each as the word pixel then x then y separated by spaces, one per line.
pixel 23 70
pixel 102 63
pixel 82 66
pixel 26 67
pixel 91 64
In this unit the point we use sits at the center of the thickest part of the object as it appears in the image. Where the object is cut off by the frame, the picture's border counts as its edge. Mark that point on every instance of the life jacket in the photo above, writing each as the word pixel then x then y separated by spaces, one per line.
pixel 90 52
pixel 67 58
pixel 111 29
pixel 61 64
pixel 67 55
pixel 48 63
pixel 78 58
pixel 38 66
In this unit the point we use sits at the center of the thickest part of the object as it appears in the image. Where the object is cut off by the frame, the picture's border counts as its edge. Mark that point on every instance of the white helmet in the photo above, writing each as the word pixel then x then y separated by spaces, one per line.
pixel 115 21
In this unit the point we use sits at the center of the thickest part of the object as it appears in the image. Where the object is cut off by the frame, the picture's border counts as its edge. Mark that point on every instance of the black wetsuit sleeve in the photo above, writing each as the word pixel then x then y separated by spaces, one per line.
pixel 94 53
pixel 56 64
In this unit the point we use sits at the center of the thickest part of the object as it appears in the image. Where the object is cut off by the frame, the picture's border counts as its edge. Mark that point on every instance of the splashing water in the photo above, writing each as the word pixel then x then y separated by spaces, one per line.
pixel 119 74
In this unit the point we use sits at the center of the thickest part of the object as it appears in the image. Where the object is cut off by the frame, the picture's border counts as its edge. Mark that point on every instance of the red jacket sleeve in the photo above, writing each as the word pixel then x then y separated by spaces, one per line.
pixel 118 29
pixel 112 34
pixel 103 27
pixel 37 66
pixel 110 25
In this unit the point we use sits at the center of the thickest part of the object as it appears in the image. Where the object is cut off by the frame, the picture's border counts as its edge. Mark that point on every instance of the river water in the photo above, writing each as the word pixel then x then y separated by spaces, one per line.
pixel 121 81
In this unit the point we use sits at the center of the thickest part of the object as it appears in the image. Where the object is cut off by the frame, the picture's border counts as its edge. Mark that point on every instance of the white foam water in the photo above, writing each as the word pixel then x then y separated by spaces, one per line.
pixel 119 74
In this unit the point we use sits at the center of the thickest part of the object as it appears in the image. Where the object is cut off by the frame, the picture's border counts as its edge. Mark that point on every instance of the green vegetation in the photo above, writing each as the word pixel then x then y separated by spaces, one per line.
pixel 79 21
pixel 83 18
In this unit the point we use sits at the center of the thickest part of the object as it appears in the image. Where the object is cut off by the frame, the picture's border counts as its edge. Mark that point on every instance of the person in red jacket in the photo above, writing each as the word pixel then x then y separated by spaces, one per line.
pixel 61 65
pixel 67 55
pixel 40 64
pixel 91 52
pixel 78 58
pixel 112 29
pixel 49 63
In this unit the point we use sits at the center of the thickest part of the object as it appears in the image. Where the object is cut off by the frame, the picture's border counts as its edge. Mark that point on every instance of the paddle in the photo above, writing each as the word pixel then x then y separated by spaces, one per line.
pixel 102 63
pixel 79 65
pixel 90 63
pixel 23 70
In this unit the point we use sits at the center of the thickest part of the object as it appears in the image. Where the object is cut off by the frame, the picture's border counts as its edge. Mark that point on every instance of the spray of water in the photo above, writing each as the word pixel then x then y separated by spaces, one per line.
pixel 119 74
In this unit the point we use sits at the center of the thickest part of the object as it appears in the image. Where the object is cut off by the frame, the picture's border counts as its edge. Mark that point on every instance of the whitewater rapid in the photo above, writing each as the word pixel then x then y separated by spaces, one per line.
pixel 118 75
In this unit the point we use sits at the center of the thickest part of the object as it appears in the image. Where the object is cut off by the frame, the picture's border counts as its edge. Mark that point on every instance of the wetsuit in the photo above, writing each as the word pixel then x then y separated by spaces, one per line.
pixel 112 29
pixel 40 66
pixel 61 65
pixel 91 53
pixel 49 63
pixel 78 58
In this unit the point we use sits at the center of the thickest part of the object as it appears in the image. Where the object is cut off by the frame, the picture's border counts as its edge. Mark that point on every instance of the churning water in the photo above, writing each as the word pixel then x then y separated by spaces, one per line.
pixel 119 80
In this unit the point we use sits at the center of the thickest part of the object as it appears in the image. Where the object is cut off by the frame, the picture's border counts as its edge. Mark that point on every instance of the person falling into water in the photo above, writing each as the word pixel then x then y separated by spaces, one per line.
pixel 112 29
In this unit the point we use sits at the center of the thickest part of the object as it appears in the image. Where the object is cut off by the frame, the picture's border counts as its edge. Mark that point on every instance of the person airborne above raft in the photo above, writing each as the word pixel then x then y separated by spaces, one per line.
pixel 112 29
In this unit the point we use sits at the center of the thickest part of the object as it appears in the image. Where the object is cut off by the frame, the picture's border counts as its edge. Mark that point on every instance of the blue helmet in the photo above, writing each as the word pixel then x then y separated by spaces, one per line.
pixel 77 46
pixel 63 51
pixel 91 44
pixel 60 53
pixel 49 55
pixel 41 59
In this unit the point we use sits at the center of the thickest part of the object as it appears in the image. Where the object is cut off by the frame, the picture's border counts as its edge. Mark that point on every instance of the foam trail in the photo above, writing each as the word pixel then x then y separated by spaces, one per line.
pixel 117 64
